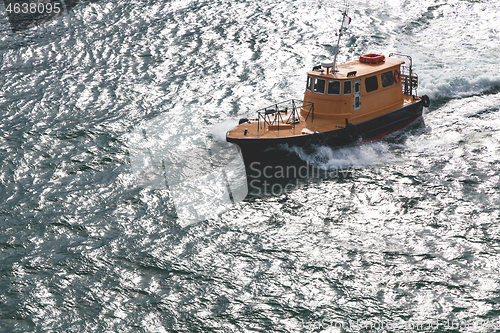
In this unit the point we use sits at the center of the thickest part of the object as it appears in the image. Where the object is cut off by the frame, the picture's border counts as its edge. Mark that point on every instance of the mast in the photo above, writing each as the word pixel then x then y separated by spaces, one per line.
pixel 345 22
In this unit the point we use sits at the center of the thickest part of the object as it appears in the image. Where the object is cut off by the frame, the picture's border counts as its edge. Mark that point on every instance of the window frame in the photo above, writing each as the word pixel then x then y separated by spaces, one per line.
pixel 344 86
pixel 314 86
pixel 369 84
pixel 309 83
pixel 354 87
pixel 340 88
pixel 357 102
pixel 391 75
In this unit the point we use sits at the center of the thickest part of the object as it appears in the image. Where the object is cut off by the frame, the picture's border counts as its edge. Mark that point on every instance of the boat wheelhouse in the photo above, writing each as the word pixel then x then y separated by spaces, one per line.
pixel 359 90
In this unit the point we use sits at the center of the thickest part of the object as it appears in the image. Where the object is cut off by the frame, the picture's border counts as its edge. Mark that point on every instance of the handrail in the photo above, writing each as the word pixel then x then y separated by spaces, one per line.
pixel 272 115
pixel 409 79
pixel 403 55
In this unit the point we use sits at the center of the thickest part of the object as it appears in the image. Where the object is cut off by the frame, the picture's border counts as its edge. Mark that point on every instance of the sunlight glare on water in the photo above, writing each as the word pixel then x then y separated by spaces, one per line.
pixel 404 235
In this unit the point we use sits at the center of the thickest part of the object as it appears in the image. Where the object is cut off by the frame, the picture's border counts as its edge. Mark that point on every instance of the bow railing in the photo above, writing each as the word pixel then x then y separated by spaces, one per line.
pixel 284 114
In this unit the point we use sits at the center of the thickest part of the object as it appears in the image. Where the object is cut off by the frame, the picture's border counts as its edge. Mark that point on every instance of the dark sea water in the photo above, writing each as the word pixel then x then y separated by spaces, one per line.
pixel 405 238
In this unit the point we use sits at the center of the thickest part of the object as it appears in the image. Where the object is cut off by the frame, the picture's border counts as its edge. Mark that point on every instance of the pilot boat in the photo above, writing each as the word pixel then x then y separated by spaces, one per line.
pixel 354 102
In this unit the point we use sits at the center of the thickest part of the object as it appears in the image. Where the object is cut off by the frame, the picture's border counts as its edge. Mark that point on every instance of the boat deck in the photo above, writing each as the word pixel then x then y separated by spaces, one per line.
pixel 256 129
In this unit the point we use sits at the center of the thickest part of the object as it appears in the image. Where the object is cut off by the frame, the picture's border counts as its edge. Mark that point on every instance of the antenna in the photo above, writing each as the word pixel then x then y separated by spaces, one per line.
pixel 345 22
pixel 346 6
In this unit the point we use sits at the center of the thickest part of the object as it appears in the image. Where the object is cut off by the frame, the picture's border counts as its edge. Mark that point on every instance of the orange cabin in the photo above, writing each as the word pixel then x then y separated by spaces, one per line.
pixel 357 91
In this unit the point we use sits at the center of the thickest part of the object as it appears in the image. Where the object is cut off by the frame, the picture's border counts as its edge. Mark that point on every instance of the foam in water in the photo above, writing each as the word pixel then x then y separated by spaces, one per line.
pixel 218 131
pixel 362 156
pixel 450 86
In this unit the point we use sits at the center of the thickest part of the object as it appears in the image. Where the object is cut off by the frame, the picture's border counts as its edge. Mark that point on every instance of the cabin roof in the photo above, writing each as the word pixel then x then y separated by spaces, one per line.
pixel 361 69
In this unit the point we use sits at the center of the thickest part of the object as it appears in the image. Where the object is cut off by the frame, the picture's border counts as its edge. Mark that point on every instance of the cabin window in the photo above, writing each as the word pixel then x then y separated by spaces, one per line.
pixel 309 83
pixel 387 79
pixel 347 87
pixel 371 84
pixel 357 86
pixel 333 87
pixel 357 102
pixel 319 86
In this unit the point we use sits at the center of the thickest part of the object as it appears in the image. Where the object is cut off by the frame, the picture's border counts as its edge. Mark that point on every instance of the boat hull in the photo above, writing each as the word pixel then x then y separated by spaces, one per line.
pixel 267 150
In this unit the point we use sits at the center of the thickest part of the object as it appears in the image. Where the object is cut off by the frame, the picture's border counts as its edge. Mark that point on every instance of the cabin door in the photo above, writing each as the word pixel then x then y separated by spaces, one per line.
pixel 357 94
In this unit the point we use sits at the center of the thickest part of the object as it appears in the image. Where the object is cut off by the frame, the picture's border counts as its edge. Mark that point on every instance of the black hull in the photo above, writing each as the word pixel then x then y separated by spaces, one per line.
pixel 267 150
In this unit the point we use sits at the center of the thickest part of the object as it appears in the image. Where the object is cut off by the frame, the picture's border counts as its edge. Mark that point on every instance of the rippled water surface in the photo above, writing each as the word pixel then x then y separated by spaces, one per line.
pixel 403 233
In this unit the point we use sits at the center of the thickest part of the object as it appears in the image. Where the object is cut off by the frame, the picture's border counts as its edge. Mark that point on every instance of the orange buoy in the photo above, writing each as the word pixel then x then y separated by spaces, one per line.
pixel 372 58
pixel 397 76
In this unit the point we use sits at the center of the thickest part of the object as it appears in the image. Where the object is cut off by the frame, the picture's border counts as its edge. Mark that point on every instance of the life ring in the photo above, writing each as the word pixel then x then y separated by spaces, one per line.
pixel 397 76
pixel 372 58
